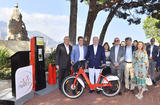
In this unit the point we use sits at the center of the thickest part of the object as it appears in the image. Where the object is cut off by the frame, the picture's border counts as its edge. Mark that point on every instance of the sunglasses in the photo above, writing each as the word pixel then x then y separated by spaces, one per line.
pixel 116 40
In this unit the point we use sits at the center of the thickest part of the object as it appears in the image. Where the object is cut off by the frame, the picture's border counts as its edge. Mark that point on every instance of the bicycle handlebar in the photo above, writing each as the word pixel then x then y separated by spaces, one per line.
pixel 102 67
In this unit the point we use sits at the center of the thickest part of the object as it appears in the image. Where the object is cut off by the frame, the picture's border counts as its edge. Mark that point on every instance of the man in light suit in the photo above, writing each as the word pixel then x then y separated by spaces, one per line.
pixel 117 55
pixel 95 55
pixel 129 71
pixel 152 51
pixel 79 52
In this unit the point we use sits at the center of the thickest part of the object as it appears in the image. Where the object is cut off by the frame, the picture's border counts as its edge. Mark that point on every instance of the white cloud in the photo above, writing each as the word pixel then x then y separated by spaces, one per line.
pixel 5 14
pixel 54 26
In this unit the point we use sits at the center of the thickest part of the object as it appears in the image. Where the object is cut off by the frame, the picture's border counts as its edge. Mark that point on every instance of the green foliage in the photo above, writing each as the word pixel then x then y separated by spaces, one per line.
pixel 102 1
pixel 4 58
pixel 98 1
pixel 158 24
pixel 156 15
pixel 5 71
pixel 50 59
pixel 151 29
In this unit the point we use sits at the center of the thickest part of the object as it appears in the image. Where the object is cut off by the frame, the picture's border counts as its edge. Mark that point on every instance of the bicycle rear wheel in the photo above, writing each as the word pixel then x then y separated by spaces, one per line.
pixel 70 91
pixel 111 91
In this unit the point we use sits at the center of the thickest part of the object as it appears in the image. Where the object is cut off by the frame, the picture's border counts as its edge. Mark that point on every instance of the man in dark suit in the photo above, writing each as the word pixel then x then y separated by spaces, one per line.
pixel 152 51
pixel 158 59
pixel 158 63
pixel 63 61
pixel 95 55
pixel 117 55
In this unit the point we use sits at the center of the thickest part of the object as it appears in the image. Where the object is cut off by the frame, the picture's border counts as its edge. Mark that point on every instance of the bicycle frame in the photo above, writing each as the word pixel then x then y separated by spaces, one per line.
pixel 91 86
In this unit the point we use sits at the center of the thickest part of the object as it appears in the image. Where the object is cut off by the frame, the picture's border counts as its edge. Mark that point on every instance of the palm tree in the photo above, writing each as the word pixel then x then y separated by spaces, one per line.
pixel 73 21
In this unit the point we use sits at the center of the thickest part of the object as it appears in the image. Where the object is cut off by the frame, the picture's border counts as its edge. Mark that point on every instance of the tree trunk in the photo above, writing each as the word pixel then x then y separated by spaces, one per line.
pixel 105 26
pixel 92 14
pixel 73 21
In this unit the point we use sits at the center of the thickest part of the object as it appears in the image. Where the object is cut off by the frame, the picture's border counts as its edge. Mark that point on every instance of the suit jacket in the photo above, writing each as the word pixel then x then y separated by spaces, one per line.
pixel 120 57
pixel 154 52
pixel 94 61
pixel 158 52
pixel 76 53
pixel 133 48
pixel 62 58
pixel 158 59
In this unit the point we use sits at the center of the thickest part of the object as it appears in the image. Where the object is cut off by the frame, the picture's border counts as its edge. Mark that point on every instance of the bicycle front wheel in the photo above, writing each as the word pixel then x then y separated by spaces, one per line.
pixel 113 90
pixel 70 91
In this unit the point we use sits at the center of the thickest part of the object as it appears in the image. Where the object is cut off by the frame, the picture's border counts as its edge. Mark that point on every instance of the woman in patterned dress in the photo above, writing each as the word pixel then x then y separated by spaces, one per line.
pixel 140 64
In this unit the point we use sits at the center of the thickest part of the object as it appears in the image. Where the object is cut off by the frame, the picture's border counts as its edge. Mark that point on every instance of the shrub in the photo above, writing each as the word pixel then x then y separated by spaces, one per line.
pixel 50 59
pixel 5 74
pixel 5 64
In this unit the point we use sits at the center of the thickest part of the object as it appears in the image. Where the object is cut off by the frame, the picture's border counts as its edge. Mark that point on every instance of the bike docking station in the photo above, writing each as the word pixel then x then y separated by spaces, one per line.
pixel 28 75
pixel 37 61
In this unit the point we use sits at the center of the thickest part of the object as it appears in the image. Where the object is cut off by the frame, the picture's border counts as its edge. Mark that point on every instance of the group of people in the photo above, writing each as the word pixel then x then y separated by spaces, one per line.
pixel 132 63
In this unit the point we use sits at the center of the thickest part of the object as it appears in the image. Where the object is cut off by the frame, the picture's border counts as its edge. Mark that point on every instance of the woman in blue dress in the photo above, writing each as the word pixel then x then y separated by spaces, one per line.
pixel 140 65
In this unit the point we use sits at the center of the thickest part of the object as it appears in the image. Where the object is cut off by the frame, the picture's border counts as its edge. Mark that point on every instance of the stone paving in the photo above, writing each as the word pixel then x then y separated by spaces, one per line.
pixel 151 97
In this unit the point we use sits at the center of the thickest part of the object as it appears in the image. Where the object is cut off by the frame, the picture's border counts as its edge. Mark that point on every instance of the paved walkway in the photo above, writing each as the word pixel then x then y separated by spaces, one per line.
pixel 152 97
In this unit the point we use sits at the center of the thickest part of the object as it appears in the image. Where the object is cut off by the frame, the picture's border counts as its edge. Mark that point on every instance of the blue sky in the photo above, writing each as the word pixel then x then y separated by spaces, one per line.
pixel 51 17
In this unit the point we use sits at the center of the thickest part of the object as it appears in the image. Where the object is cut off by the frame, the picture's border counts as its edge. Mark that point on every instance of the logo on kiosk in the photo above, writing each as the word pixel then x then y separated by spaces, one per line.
pixel 24 81
pixel 40 41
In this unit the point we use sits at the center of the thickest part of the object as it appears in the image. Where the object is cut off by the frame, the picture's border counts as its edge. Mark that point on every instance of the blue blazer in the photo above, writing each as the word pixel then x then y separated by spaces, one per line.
pixel 95 60
pixel 154 52
pixel 75 54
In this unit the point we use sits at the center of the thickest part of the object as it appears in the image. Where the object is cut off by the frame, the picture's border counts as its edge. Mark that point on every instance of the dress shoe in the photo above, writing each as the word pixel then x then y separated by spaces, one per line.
pixel 91 91
pixel 120 93
pixel 132 91
pixel 154 83
pixel 98 91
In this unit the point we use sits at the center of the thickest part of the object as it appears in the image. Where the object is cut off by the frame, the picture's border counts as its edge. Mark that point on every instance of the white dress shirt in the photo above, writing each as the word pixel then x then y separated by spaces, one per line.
pixel 107 54
pixel 128 56
pixel 67 48
pixel 116 52
pixel 95 49
pixel 81 53
pixel 151 50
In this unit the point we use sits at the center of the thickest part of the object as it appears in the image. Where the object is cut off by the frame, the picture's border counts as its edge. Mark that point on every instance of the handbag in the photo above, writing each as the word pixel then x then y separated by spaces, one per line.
pixel 148 81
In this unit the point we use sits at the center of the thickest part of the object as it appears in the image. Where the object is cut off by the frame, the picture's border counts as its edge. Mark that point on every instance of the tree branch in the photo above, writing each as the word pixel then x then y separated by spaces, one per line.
pixel 108 20
pixel 108 4
pixel 132 4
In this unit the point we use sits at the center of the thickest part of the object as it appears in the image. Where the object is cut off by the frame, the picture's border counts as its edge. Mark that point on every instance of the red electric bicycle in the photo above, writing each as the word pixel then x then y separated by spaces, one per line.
pixel 73 86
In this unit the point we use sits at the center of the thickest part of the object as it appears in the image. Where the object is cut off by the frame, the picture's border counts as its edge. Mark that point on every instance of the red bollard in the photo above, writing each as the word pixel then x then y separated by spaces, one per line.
pixel 52 75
